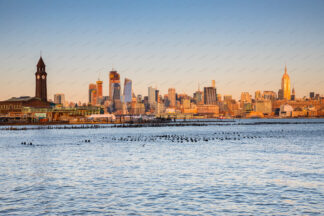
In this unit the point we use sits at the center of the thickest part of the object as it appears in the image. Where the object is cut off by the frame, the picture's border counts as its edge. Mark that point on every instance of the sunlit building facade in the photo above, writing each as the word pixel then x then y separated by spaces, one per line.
pixel 269 95
pixel 99 88
pixel 93 97
pixel 227 98
pixel 172 97
pixel 257 95
pixel 92 92
pixel 285 85
pixel 210 95
pixel 114 77
pixel 264 107
pixel 151 95
pixel 99 91
pixel 198 97
pixel 59 99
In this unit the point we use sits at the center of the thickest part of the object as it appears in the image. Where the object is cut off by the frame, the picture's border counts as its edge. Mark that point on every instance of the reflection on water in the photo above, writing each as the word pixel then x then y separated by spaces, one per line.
pixel 232 169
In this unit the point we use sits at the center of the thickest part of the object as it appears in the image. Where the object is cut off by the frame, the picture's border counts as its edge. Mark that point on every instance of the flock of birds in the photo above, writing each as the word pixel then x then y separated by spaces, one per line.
pixel 26 143
pixel 220 136
pixel 181 138
pixel 30 143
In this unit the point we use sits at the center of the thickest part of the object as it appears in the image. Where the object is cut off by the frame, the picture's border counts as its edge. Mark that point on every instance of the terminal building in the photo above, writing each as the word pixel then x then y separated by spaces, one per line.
pixel 13 107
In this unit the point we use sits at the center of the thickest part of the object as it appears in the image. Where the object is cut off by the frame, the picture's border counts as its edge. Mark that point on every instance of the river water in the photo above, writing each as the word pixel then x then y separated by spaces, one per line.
pixel 245 167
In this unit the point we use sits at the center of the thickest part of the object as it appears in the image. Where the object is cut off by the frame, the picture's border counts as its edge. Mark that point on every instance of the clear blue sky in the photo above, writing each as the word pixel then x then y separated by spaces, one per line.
pixel 243 45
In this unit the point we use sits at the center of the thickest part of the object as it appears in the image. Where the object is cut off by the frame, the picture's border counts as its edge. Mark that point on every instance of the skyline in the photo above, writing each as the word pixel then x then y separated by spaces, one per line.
pixel 175 45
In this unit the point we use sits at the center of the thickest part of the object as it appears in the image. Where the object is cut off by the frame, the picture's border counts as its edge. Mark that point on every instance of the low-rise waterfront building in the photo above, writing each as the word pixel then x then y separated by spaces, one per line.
pixel 286 110
pixel 16 105
pixel 263 106
pixel 208 110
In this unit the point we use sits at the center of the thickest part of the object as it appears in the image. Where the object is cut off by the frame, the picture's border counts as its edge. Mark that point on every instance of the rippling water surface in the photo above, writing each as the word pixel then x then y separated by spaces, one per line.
pixel 231 169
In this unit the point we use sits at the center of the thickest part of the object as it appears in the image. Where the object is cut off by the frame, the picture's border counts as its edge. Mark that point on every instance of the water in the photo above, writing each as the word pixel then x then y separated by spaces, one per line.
pixel 229 169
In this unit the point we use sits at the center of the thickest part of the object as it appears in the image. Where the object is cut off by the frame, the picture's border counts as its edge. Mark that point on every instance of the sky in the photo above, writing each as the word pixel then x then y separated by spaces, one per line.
pixel 242 45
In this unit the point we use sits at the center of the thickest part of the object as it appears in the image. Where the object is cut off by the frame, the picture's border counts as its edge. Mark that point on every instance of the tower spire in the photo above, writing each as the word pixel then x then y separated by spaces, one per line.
pixel 285 68
pixel 41 63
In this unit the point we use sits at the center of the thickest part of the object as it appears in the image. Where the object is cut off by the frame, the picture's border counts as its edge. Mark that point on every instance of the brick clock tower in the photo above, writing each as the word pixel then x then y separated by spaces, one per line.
pixel 41 76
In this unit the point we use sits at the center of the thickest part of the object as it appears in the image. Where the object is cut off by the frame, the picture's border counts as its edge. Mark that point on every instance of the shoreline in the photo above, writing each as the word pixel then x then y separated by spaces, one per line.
pixel 205 120
pixel 97 125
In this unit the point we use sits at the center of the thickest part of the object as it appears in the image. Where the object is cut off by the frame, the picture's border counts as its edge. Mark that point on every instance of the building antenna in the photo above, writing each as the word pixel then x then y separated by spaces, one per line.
pixel 40 53
pixel 99 75
pixel 285 67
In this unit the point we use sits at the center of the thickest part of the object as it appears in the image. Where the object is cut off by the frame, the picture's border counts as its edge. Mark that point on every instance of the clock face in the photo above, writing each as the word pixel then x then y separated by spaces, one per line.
pixel 43 77
pixel 38 76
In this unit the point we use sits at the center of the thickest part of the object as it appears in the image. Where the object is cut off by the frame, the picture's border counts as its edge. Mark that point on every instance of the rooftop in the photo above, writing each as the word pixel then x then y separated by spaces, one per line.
pixel 22 98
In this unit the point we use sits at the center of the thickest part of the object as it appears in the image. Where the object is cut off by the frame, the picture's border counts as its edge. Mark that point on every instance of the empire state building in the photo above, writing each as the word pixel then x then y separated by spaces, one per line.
pixel 285 85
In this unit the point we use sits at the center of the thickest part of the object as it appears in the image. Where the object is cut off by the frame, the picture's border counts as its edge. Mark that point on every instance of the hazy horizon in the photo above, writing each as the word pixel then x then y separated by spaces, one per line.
pixel 242 45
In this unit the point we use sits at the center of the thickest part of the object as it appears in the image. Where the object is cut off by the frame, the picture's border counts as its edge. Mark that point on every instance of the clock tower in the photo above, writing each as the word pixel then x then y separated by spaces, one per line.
pixel 41 76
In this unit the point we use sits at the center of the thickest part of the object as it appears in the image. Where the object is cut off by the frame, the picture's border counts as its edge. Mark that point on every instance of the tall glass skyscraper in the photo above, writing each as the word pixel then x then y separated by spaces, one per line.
pixel 116 91
pixel 114 77
pixel 127 90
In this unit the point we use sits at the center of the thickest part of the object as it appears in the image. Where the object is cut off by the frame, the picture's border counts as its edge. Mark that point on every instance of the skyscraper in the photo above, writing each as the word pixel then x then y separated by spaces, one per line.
pixel 41 77
pixel 92 88
pixel 127 90
pixel 172 97
pixel 227 98
pixel 280 94
pixel 114 77
pixel 257 95
pixel 269 95
pixel 219 97
pixel 139 98
pixel 245 98
pixel 116 91
pixel 311 95
pixel 210 95
pixel 99 91
pixel 99 88
pixel 198 97
pixel 285 85
pixel 59 99
pixel 157 98
pixel 151 95
pixel 94 97
pixel 293 94
pixel 213 84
